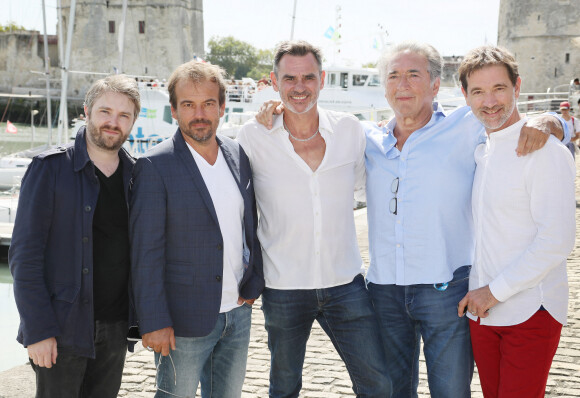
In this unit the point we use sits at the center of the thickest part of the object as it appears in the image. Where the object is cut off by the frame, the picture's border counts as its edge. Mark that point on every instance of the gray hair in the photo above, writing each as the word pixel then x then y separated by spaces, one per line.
pixel 298 48
pixel 121 84
pixel 428 51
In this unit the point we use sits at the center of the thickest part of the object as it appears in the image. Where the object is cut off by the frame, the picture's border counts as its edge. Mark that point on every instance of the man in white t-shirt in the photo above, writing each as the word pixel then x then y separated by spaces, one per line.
pixel 573 125
pixel 523 209
pixel 196 259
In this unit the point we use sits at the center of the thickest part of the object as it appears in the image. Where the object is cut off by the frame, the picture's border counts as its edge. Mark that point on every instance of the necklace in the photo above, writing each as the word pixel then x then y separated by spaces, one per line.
pixel 300 139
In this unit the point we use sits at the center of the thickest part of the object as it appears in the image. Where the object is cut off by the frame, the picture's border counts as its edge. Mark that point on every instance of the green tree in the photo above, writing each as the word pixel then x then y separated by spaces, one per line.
pixel 235 56
pixel 11 27
pixel 370 65
pixel 264 65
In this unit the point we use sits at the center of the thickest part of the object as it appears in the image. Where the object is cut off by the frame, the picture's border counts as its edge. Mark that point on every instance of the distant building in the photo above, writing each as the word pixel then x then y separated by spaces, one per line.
pixel 159 36
pixel 449 75
pixel 545 38
pixel 21 52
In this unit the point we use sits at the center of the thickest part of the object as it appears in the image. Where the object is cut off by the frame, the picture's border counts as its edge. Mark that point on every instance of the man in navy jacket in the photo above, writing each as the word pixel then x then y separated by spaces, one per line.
pixel 196 260
pixel 69 254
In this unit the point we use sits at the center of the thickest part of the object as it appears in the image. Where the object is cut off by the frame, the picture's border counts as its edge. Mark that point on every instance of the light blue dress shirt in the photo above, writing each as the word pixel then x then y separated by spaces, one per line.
pixel 432 234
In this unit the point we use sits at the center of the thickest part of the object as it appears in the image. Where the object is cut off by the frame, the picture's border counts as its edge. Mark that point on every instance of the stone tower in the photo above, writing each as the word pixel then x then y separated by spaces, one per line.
pixel 159 35
pixel 545 38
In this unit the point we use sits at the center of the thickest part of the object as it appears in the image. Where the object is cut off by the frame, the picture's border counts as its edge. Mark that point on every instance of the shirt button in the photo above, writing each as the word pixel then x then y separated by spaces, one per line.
pixel 85 271
pixel 398 245
pixel 398 221
pixel 219 246
pixel 85 239
pixel 87 208
pixel 218 278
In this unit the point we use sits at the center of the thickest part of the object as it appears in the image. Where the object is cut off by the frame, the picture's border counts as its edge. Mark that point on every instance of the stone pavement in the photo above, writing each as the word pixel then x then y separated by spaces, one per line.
pixel 324 374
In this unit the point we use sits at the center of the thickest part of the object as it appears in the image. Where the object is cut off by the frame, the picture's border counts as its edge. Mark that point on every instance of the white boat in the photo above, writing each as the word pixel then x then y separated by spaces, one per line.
pixel 355 90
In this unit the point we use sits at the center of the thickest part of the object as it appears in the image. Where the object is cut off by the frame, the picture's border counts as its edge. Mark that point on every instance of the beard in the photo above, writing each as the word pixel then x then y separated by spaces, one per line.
pixel 290 106
pixel 199 134
pixel 101 140
pixel 506 112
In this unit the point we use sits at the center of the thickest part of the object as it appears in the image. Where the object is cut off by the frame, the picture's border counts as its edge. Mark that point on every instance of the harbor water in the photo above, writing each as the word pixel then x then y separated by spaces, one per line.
pixel 13 354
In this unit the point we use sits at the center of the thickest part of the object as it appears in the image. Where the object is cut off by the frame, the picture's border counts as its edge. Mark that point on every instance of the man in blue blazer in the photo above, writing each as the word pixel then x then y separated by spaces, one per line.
pixel 196 259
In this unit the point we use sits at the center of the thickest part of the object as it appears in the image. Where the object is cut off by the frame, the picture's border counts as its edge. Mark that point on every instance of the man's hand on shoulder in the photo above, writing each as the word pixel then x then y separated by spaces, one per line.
pixel 160 340
pixel 43 353
pixel 267 111
pixel 536 132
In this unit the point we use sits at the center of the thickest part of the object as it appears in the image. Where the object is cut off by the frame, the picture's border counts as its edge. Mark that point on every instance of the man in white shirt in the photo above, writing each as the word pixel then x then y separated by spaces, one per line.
pixel 306 169
pixel 573 125
pixel 523 209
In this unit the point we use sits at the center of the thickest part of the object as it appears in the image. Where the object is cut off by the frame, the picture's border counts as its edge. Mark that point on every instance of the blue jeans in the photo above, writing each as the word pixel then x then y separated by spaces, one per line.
pixel 217 360
pixel 407 313
pixel 346 314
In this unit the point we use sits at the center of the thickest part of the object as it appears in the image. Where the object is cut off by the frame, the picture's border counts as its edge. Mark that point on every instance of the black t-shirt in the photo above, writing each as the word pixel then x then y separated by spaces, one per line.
pixel 111 249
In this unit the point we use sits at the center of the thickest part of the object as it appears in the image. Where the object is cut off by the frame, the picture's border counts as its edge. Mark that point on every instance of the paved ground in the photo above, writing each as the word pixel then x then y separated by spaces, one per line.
pixel 324 374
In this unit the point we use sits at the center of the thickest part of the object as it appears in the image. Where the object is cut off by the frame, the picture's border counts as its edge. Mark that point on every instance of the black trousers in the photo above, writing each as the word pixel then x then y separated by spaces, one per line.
pixel 79 377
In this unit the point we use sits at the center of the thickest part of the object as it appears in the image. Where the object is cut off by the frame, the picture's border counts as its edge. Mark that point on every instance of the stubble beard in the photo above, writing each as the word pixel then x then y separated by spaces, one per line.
pixel 98 137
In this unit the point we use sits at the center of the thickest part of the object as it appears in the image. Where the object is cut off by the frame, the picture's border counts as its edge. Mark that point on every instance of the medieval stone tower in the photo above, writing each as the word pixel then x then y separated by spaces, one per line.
pixel 159 35
pixel 545 38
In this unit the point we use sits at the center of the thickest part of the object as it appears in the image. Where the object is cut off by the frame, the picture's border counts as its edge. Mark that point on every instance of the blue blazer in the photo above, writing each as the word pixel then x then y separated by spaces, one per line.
pixel 176 242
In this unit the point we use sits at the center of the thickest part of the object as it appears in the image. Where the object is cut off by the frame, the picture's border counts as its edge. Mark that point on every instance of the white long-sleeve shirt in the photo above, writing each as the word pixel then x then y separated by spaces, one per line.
pixel 524 214
pixel 306 225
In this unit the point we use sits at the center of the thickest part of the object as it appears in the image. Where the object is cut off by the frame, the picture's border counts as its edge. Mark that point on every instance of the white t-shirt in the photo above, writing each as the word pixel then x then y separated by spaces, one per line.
pixel 573 125
pixel 524 216
pixel 229 207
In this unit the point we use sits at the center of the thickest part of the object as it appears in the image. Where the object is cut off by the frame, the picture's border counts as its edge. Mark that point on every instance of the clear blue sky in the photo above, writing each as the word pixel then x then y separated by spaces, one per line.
pixel 452 26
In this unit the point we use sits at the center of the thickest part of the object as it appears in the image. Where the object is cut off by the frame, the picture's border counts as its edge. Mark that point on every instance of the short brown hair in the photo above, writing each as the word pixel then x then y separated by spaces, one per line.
pixel 197 72
pixel 117 84
pixel 298 48
pixel 483 56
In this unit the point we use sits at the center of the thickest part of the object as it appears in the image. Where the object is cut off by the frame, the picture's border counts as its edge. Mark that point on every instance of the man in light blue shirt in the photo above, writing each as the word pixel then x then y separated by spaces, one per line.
pixel 420 170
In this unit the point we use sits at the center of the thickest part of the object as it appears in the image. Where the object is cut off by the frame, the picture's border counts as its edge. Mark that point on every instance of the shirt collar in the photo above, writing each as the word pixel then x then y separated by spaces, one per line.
pixel 81 154
pixel 324 125
pixel 389 139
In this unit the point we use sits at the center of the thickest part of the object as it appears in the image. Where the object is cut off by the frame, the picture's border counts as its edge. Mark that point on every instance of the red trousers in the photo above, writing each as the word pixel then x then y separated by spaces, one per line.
pixel 514 361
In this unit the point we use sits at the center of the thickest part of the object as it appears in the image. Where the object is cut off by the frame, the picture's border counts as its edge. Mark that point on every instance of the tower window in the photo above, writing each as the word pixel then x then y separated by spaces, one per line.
pixel 567 58
pixel 141 27
pixel 111 26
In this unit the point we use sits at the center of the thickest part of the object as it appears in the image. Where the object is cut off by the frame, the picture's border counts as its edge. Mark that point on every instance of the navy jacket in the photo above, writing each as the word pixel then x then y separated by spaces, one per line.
pixel 51 253
pixel 176 242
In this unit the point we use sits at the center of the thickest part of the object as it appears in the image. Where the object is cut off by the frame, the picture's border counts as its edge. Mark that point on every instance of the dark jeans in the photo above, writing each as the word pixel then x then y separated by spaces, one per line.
pixel 346 314
pixel 79 377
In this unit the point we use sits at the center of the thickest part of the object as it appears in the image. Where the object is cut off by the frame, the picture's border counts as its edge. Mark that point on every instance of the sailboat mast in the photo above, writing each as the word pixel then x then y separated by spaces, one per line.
pixel 293 21
pixel 122 37
pixel 63 114
pixel 47 76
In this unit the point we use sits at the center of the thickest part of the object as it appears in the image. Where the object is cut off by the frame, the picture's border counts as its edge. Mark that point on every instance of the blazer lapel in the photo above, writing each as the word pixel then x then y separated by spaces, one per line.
pixel 182 150
pixel 233 161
